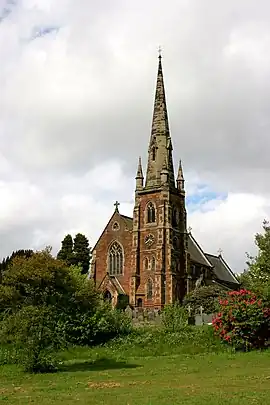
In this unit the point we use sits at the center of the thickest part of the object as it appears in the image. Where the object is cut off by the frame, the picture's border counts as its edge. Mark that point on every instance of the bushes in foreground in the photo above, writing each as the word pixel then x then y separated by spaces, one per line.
pixel 243 321
pixel 174 318
pixel 46 305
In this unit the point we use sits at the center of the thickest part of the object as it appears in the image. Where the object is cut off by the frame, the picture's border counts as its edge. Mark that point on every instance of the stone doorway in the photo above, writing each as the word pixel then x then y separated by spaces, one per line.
pixel 107 296
pixel 139 302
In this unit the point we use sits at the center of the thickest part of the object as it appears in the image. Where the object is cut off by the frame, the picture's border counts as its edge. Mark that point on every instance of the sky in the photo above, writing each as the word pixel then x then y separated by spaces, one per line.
pixel 77 83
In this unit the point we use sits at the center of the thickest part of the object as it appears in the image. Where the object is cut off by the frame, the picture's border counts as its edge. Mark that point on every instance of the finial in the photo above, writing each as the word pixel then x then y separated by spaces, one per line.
pixel 116 204
pixel 220 251
pixel 159 52
pixel 189 229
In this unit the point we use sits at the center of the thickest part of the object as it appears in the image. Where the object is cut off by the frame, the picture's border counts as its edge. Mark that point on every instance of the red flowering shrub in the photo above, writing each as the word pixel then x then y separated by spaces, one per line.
pixel 243 320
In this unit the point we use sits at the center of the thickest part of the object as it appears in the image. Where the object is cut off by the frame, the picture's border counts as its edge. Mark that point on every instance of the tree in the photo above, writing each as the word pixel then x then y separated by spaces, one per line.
pixel 18 253
pixel 66 251
pixel 206 297
pixel 257 274
pixel 42 280
pixel 81 251
pixel 44 304
pixel 41 299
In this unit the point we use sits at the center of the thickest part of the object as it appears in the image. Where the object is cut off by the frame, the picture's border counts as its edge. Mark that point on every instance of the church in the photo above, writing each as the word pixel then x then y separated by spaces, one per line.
pixel 152 260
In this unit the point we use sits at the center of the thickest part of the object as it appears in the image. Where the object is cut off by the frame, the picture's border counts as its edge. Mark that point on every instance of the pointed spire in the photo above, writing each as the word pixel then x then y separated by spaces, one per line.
pixel 160 145
pixel 139 176
pixel 160 123
pixel 139 171
pixel 180 178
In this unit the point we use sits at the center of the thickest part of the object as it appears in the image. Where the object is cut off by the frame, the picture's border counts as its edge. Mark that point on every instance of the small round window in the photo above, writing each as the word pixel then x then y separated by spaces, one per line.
pixel 116 226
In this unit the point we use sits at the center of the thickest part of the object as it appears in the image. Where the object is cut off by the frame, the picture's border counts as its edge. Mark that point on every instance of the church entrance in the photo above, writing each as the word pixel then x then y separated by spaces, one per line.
pixel 107 296
pixel 139 302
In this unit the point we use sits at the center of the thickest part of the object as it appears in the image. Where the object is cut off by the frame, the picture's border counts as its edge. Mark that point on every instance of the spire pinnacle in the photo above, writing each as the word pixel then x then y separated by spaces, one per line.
pixel 180 177
pixel 139 170
pixel 139 176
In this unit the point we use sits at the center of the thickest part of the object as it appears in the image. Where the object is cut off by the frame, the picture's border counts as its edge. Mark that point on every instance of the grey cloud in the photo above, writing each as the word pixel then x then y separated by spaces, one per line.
pixel 95 97
pixel 84 96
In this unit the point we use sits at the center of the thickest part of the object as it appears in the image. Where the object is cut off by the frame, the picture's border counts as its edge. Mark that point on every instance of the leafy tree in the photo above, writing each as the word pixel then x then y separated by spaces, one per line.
pixel 59 302
pixel 66 251
pixel 81 251
pixel 174 318
pixel 43 280
pixel 257 275
pixel 34 335
pixel 206 297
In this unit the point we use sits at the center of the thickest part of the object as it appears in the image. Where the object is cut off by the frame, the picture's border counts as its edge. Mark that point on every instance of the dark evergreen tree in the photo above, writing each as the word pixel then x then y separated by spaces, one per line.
pixel 81 251
pixel 18 253
pixel 66 251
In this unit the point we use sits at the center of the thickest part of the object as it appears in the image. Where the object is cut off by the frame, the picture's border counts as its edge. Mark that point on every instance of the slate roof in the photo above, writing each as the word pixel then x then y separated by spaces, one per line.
pixel 196 253
pixel 221 269
pixel 128 221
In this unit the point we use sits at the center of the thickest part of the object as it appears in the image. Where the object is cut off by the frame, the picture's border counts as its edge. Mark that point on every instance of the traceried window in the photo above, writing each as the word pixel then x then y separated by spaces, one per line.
pixel 149 293
pixel 116 259
pixel 151 213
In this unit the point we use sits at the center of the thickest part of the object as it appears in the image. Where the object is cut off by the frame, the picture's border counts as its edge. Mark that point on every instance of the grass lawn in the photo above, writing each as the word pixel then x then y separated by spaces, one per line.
pixel 93 377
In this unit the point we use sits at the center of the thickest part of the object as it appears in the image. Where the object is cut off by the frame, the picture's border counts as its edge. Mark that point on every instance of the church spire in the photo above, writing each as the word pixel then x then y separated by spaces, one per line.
pixel 160 146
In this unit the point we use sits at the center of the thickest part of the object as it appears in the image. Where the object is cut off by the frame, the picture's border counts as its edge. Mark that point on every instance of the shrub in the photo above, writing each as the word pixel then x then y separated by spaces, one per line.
pixel 206 297
pixel 174 318
pixel 243 320
pixel 156 341
pixel 94 328
pixel 34 333
pixel 42 280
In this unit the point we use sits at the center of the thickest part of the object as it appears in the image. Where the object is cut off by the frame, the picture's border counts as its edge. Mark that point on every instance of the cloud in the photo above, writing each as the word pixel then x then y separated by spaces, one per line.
pixel 230 224
pixel 76 106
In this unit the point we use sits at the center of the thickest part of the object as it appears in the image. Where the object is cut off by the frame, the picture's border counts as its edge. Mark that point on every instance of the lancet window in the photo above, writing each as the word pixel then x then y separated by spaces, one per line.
pixel 151 213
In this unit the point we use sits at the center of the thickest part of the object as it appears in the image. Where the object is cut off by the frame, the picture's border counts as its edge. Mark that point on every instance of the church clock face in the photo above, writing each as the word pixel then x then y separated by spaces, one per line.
pixel 149 240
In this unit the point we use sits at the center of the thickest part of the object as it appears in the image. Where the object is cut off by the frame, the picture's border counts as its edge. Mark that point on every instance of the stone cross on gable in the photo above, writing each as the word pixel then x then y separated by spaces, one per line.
pixel 189 229
pixel 116 204
pixel 220 251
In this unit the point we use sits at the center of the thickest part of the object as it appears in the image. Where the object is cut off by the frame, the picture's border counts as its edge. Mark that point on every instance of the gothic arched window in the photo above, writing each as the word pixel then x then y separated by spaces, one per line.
pixel 175 242
pixel 174 217
pixel 151 213
pixel 149 293
pixel 146 263
pixel 153 263
pixel 116 259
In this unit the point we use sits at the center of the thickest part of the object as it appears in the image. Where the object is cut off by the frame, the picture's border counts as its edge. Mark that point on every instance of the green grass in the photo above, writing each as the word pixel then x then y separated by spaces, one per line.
pixel 122 373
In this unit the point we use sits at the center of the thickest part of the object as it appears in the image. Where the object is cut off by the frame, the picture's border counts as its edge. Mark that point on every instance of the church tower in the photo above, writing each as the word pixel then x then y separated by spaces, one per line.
pixel 159 246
